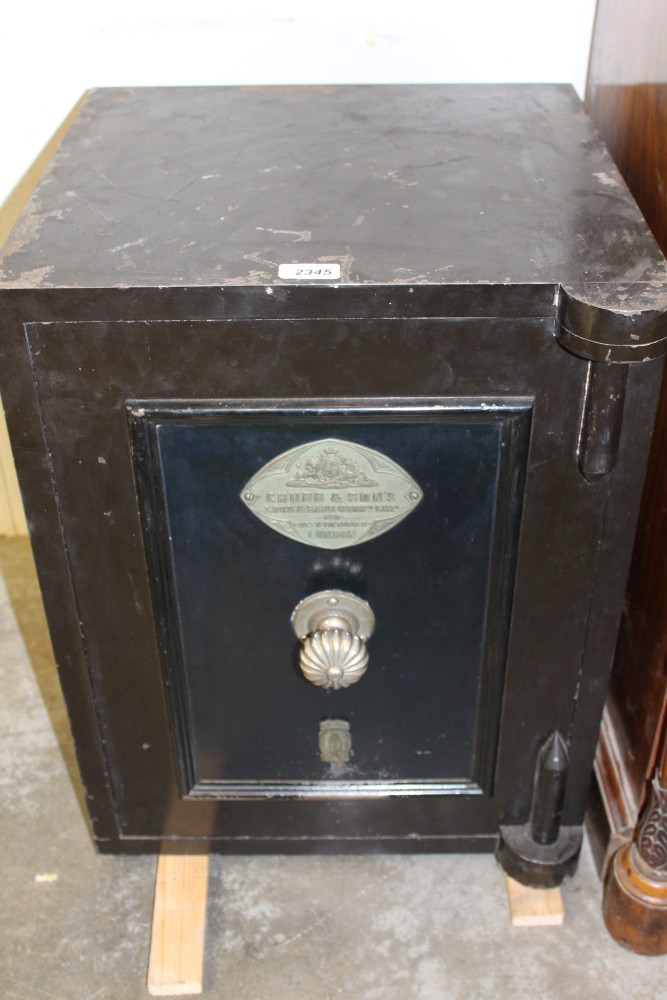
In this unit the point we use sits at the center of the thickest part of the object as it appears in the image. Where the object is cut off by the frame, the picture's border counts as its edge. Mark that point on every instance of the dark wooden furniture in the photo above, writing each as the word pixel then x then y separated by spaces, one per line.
pixel 627 99
pixel 441 407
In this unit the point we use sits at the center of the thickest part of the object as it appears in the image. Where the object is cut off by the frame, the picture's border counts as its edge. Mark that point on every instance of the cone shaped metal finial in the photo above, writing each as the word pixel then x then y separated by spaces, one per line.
pixel 549 790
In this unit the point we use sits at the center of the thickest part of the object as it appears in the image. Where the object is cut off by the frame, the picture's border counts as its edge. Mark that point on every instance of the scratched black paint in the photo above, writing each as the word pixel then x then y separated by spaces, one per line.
pixel 489 254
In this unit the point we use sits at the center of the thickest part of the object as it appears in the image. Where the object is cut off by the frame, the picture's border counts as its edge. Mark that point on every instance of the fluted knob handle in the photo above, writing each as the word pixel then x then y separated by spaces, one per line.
pixel 333 658
pixel 333 627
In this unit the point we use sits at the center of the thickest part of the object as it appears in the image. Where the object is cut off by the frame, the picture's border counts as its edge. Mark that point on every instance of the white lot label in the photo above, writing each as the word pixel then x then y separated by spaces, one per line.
pixel 309 272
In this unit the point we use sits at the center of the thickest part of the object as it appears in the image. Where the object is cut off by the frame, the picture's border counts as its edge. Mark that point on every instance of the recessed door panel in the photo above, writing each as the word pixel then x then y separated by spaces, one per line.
pixel 438 579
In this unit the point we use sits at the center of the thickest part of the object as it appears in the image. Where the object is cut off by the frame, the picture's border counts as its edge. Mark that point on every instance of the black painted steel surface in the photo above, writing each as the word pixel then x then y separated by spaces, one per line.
pixel 235 582
pixel 496 330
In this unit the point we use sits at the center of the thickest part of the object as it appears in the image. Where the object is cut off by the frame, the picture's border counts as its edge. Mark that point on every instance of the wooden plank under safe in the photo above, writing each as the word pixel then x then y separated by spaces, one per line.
pixel 176 960
pixel 534 907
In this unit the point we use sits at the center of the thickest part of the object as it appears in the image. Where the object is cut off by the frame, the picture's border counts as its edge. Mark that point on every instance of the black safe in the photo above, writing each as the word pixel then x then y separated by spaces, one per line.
pixel 331 408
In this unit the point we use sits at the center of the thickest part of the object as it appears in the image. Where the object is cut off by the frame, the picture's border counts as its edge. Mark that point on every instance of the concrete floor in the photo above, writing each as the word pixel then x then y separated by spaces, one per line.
pixel 75 926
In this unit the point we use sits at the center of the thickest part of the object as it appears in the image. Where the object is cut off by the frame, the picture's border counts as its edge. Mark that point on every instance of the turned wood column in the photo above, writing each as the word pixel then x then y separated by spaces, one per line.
pixel 627 99
pixel 635 899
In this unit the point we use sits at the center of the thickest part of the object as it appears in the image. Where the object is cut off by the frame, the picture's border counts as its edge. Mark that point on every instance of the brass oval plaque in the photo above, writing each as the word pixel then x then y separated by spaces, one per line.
pixel 331 494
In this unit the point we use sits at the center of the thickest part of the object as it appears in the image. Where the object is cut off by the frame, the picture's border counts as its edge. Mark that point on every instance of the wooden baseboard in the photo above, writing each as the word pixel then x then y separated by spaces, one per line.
pixel 613 807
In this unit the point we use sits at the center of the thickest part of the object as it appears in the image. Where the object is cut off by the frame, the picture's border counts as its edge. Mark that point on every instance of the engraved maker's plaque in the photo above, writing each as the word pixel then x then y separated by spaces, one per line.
pixel 331 494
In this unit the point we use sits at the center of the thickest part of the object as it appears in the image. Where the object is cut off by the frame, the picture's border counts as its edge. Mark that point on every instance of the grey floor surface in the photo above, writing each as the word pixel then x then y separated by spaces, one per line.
pixel 75 925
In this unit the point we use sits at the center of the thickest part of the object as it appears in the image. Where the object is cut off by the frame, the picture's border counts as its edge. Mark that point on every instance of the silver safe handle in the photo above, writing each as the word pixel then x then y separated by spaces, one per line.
pixel 333 627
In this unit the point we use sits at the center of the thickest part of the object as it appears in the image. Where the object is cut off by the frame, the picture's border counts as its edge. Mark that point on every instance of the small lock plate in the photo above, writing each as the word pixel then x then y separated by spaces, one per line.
pixel 335 741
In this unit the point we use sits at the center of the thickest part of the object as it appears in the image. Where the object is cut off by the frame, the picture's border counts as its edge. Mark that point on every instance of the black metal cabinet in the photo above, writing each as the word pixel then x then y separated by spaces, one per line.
pixel 441 406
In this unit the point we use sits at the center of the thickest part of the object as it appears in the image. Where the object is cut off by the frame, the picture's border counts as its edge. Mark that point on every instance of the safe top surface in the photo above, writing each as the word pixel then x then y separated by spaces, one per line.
pixel 399 185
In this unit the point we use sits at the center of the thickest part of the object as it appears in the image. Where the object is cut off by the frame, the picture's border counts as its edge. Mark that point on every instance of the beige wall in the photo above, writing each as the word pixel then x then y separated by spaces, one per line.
pixel 12 518
pixel 74 44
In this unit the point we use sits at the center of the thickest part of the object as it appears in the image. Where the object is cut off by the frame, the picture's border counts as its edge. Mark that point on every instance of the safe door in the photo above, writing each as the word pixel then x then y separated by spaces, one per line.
pixel 335 591
pixel 326 585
